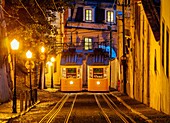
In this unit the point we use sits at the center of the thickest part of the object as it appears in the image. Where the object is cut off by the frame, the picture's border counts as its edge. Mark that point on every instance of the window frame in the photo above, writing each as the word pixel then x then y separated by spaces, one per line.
pixel 89 44
pixel 113 17
pixel 89 8
pixel 88 15
pixel 163 43
pixel 167 52
pixel 109 16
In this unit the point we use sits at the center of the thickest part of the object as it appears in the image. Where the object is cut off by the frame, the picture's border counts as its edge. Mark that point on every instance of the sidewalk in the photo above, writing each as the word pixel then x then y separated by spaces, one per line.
pixel 149 114
pixel 6 111
pixel 145 112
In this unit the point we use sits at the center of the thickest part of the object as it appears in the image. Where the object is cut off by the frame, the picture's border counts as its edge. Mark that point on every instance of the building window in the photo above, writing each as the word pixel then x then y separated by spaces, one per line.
pixel 88 43
pixel 127 2
pixel 109 16
pixel 155 64
pixel 163 26
pixel 55 66
pixel 143 25
pixel 88 15
pixel 167 53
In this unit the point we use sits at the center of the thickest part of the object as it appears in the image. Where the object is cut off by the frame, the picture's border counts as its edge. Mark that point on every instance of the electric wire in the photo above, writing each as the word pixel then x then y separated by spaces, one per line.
pixel 16 18
pixel 40 8
pixel 54 5
pixel 27 11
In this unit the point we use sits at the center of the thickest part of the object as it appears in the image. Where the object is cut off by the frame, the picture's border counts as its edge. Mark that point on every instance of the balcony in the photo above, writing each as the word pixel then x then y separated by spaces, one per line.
pixel 92 26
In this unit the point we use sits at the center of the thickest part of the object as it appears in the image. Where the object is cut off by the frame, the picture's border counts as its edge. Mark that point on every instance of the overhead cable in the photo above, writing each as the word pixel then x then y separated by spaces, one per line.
pixel 27 11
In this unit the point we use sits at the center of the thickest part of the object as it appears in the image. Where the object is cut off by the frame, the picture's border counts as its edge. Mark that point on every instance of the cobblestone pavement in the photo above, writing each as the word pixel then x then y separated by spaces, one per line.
pixel 48 97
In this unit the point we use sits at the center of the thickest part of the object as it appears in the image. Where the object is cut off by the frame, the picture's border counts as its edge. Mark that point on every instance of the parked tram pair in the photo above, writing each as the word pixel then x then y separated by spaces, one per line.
pixel 90 69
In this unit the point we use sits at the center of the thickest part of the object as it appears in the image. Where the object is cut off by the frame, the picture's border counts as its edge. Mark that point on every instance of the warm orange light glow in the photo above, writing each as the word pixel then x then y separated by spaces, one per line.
pixel 71 82
pixel 42 49
pixel 98 82
pixel 29 54
pixel 14 44
pixel 49 63
pixel 52 59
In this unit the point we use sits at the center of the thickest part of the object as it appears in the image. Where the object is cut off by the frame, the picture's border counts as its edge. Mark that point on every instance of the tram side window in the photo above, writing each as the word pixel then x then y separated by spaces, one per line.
pixel 97 72
pixel 71 73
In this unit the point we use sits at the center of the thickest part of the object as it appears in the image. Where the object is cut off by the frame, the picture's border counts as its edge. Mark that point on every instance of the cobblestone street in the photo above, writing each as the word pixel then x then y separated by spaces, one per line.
pixel 86 109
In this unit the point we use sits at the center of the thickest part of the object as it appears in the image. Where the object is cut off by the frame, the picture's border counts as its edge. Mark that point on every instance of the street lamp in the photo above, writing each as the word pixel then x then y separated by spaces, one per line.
pixel 42 49
pixel 52 71
pixel 29 56
pixel 14 47
pixel 42 69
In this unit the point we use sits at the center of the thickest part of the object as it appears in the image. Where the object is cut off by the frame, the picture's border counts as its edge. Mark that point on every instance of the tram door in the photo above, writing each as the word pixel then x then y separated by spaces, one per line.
pixel 84 74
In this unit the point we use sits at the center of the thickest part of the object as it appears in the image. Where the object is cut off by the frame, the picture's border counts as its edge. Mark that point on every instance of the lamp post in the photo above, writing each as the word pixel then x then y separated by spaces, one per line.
pixel 42 69
pixel 29 56
pixel 14 47
pixel 52 70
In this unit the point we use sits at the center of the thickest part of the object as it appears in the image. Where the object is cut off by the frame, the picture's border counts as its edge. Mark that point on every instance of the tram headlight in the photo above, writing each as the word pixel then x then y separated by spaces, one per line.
pixel 71 82
pixel 98 82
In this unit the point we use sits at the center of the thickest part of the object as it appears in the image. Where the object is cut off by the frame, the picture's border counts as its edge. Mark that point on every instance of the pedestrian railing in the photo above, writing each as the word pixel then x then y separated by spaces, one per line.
pixel 25 99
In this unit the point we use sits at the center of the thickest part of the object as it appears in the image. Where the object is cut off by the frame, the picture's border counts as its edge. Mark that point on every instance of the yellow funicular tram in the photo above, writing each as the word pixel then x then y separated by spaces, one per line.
pixel 98 70
pixel 71 70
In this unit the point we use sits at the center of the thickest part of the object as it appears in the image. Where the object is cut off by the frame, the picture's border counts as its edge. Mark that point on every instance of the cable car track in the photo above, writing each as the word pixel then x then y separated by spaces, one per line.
pixel 68 116
pixel 114 107
pixel 109 110
pixel 116 111
pixel 104 114
pixel 48 118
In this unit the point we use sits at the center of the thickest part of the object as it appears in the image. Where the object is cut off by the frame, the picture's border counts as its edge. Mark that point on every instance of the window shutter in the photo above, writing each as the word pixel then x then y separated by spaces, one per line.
pixel 79 14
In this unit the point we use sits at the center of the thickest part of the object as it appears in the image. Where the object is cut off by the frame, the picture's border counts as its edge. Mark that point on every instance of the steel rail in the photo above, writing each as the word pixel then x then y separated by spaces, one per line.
pixel 57 110
pixel 133 110
pixel 104 114
pixel 115 110
pixel 133 121
pixel 52 111
pixel 68 117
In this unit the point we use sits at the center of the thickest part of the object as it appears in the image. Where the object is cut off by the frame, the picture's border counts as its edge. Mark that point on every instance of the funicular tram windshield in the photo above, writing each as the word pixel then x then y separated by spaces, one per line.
pixel 71 73
pixel 97 72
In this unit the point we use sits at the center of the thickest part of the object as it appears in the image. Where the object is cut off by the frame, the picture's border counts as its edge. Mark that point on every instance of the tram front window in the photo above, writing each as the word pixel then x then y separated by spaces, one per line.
pixel 97 72
pixel 71 72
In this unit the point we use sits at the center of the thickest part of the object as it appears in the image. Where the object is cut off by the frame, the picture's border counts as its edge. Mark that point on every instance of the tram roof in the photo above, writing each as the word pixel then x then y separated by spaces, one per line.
pixel 71 57
pixel 98 57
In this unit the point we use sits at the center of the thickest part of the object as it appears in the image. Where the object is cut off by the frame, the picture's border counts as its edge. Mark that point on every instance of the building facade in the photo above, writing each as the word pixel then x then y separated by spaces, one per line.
pixel 92 24
pixel 88 25
pixel 147 54
pixel 52 71
pixel 164 84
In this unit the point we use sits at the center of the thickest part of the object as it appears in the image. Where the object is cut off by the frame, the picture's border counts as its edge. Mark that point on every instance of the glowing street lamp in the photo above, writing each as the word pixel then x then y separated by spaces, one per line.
pixel 14 44
pixel 42 69
pixel 42 49
pixel 14 47
pixel 52 59
pixel 29 56
pixel 52 71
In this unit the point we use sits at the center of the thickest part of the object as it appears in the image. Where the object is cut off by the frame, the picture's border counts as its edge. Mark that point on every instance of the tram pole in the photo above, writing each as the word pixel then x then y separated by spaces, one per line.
pixel 124 48
pixel 110 28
